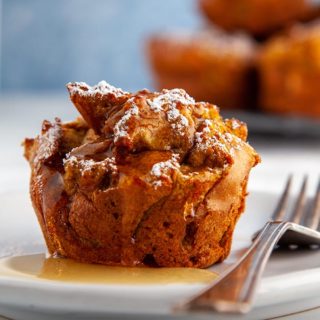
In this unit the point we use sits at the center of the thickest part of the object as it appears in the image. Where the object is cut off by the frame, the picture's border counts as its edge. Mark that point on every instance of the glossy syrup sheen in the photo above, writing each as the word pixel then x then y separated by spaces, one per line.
pixel 66 270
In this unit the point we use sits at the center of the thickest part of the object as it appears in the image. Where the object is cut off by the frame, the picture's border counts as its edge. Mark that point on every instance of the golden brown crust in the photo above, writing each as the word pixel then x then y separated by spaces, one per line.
pixel 258 17
pixel 96 103
pixel 290 72
pixel 211 65
pixel 172 204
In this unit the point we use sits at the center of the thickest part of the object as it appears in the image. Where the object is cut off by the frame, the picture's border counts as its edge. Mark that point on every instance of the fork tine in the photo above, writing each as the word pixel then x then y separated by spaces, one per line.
pixel 280 210
pixel 315 214
pixel 300 204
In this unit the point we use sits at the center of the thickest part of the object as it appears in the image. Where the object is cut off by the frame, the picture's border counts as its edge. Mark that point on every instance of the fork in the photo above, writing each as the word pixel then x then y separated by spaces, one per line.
pixel 234 290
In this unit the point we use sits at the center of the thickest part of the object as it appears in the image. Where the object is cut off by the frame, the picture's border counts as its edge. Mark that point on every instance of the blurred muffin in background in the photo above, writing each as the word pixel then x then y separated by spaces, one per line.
pixel 289 70
pixel 210 64
pixel 258 17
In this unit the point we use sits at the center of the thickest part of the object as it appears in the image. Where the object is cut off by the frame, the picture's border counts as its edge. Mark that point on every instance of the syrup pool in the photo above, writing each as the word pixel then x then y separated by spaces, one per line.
pixel 40 267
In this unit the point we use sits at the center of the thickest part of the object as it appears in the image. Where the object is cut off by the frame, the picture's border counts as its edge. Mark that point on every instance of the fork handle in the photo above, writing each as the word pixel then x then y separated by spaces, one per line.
pixel 234 290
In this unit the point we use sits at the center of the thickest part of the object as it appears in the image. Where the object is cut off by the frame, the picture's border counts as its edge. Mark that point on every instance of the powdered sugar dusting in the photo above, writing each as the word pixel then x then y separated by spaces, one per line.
pixel 87 165
pixel 112 163
pixel 169 97
pixel 207 124
pixel 235 124
pixel 161 170
pixel 121 127
pixel 102 87
pixel 167 101
pixel 235 142
pixel 204 141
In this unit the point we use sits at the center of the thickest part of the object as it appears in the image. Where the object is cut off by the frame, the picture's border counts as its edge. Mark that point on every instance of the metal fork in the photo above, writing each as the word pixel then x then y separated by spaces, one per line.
pixel 234 290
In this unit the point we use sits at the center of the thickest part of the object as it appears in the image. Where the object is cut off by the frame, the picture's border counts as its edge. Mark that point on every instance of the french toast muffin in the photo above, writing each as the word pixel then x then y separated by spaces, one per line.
pixel 210 65
pixel 142 179
pixel 258 17
pixel 289 71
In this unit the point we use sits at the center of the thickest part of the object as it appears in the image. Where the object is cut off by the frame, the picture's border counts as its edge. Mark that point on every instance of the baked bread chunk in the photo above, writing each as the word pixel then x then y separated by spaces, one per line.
pixel 211 65
pixel 289 68
pixel 152 179
pixel 258 17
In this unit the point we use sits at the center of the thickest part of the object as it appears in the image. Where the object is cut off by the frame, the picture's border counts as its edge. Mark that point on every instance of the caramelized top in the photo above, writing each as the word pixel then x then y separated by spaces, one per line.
pixel 169 120
pixel 153 138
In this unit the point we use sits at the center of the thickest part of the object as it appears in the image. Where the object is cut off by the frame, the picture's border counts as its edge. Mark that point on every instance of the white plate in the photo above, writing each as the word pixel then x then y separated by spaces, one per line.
pixel 290 284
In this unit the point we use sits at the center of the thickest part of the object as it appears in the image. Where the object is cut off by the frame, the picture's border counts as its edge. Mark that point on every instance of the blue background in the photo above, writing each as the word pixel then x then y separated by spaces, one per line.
pixel 45 44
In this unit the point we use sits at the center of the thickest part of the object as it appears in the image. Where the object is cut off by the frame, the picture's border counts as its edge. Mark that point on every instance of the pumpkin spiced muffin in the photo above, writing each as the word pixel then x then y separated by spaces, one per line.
pixel 289 70
pixel 210 64
pixel 150 178
pixel 260 18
